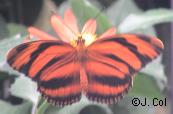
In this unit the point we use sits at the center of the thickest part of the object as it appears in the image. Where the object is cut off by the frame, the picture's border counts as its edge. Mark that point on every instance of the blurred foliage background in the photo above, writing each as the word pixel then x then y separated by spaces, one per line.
pixel 18 94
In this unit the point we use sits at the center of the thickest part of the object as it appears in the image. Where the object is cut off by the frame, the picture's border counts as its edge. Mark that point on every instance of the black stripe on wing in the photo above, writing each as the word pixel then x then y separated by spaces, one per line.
pixel 144 58
pixel 47 65
pixel 61 82
pixel 24 47
pixel 115 58
pixel 17 52
pixel 149 40
pixel 110 80
pixel 25 68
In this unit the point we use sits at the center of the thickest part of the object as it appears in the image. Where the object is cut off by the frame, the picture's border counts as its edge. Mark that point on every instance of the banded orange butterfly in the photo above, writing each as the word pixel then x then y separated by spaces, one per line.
pixel 102 68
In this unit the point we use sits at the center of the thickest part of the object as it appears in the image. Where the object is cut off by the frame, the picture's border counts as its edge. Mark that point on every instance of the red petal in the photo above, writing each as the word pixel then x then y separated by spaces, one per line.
pixel 109 32
pixel 62 29
pixel 70 20
pixel 40 34
pixel 90 27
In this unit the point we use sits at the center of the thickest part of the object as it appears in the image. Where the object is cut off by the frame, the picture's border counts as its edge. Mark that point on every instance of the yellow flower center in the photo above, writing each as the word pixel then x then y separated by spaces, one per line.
pixel 88 37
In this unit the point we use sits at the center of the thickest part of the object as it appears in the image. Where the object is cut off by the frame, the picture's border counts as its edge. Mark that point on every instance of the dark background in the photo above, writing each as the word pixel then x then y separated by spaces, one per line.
pixel 26 11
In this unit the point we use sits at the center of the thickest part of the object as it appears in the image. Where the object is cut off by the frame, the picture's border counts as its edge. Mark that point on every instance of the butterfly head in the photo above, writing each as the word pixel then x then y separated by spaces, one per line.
pixel 80 40
pixel 84 39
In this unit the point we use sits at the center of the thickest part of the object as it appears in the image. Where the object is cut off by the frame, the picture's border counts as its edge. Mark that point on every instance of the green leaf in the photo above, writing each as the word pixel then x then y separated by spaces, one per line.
pixel 26 89
pixel 145 86
pixel 3 28
pixel 84 10
pixel 149 31
pixel 7 44
pixel 43 107
pixel 120 9
pixel 15 29
pixel 145 20
pixel 155 69
pixel 24 108
pixel 117 12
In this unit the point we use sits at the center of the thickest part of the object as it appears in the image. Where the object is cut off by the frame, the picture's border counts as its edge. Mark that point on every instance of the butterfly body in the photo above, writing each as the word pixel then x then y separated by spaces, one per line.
pixel 81 57
pixel 81 51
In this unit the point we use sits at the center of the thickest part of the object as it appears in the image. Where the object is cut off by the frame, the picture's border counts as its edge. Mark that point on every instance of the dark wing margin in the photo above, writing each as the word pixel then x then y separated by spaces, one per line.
pixel 52 65
pixel 112 63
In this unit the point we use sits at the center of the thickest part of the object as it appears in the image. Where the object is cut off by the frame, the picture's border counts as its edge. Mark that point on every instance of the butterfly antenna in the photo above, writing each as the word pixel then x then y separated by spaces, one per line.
pixel 53 12
pixel 97 15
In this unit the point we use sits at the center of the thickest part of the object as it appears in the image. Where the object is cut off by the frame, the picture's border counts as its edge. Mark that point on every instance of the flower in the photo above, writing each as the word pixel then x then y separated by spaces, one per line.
pixel 68 30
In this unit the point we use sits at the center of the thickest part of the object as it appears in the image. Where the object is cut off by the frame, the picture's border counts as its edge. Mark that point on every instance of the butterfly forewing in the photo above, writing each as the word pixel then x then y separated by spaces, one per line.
pixel 52 65
pixel 112 62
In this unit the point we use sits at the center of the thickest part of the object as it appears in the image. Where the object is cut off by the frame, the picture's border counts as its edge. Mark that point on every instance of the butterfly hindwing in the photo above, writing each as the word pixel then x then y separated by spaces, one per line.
pixel 52 65
pixel 61 84
pixel 106 84
pixel 112 62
